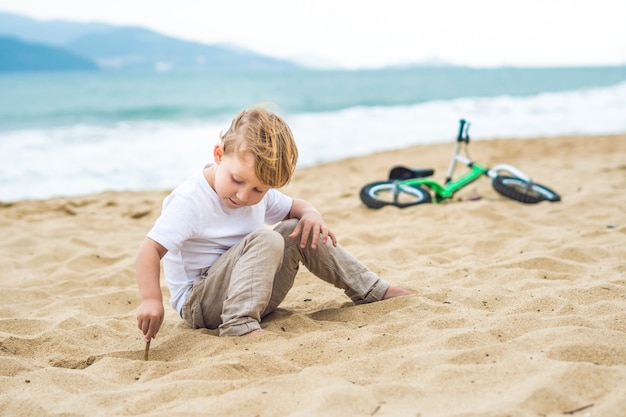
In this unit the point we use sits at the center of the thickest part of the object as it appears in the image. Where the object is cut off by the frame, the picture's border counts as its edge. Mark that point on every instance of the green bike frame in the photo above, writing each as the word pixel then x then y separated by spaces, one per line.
pixel 442 192
pixel 409 186
pixel 476 170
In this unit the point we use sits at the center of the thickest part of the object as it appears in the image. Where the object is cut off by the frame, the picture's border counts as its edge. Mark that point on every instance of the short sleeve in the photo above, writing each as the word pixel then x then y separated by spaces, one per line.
pixel 278 206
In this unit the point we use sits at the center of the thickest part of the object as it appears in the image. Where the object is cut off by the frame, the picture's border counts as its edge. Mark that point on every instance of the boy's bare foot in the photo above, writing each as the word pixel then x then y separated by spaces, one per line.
pixel 396 291
pixel 256 333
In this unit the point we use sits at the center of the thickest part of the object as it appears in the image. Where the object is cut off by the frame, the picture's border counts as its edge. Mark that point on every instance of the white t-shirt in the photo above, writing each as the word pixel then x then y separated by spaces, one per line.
pixel 196 228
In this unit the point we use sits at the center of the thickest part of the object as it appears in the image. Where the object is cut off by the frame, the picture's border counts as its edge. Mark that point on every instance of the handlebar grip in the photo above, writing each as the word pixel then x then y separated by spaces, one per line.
pixel 459 138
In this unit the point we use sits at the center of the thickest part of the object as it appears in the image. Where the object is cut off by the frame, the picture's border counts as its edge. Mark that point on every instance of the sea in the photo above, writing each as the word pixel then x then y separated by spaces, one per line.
pixel 77 133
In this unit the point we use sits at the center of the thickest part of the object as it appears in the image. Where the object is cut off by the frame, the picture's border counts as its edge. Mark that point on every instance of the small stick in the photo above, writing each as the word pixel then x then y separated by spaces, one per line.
pixel 584 407
pixel 145 352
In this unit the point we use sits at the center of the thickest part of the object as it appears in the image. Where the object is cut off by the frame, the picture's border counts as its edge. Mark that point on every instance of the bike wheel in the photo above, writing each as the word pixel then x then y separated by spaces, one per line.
pixel 519 190
pixel 390 193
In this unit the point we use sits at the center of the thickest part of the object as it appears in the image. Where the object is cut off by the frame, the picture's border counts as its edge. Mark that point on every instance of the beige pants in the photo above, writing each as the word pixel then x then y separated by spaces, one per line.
pixel 253 277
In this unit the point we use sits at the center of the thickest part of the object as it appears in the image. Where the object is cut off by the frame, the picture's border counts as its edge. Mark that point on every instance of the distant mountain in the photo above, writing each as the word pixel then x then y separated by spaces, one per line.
pixel 52 32
pixel 132 48
pixel 22 56
pixel 141 49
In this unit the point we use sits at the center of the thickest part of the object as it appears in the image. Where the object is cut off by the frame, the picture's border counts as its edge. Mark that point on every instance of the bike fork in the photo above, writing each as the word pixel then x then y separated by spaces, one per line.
pixel 494 172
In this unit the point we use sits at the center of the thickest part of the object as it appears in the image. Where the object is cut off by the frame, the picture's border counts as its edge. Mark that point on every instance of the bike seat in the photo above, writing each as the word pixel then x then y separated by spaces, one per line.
pixel 404 173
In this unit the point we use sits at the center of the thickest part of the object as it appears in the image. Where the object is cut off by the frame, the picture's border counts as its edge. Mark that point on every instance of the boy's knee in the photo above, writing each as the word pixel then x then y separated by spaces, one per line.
pixel 269 239
pixel 286 227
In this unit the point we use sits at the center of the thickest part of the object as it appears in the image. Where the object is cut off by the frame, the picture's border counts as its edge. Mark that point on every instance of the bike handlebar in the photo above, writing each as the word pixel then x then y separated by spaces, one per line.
pixel 463 135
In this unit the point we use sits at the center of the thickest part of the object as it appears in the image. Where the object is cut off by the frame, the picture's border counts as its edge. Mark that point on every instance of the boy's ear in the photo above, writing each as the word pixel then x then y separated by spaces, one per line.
pixel 218 153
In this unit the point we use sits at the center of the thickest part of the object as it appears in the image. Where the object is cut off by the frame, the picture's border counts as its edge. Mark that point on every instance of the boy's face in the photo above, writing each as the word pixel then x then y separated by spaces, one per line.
pixel 235 181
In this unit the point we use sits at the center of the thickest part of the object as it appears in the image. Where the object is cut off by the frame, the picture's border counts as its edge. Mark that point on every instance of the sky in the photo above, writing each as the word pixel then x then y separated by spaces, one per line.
pixel 355 34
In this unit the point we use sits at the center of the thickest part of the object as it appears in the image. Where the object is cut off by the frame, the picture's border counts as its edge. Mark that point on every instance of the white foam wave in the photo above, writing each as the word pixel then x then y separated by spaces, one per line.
pixel 362 130
pixel 144 156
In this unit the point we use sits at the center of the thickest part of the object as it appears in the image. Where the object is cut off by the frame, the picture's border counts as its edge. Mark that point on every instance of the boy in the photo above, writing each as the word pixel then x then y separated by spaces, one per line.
pixel 224 269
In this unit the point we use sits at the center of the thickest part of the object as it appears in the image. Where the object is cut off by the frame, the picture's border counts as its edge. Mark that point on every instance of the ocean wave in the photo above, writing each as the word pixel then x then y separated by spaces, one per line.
pixel 363 130
pixel 145 155
pixel 55 100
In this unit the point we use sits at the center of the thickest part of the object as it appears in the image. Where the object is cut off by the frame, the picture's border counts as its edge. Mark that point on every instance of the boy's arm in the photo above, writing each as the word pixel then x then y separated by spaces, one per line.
pixel 311 224
pixel 148 266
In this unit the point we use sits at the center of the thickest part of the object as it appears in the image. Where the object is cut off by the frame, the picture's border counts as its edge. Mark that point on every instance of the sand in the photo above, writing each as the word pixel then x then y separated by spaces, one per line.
pixel 518 310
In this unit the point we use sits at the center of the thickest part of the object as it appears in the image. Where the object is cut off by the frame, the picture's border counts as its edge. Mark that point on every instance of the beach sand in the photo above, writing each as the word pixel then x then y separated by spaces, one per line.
pixel 518 310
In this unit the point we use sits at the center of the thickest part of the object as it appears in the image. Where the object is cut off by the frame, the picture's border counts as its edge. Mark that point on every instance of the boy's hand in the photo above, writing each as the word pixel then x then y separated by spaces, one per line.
pixel 312 224
pixel 151 311
pixel 150 317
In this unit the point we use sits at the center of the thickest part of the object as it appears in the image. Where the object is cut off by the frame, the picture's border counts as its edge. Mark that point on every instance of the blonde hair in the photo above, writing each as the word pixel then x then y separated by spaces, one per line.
pixel 270 141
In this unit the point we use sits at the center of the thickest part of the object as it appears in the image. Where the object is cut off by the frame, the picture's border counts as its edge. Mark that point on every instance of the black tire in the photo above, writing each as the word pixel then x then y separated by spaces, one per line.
pixel 519 190
pixel 392 193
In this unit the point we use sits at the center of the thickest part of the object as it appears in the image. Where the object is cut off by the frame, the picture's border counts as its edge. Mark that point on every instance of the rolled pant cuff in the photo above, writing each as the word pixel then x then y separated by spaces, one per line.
pixel 376 293
pixel 239 329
